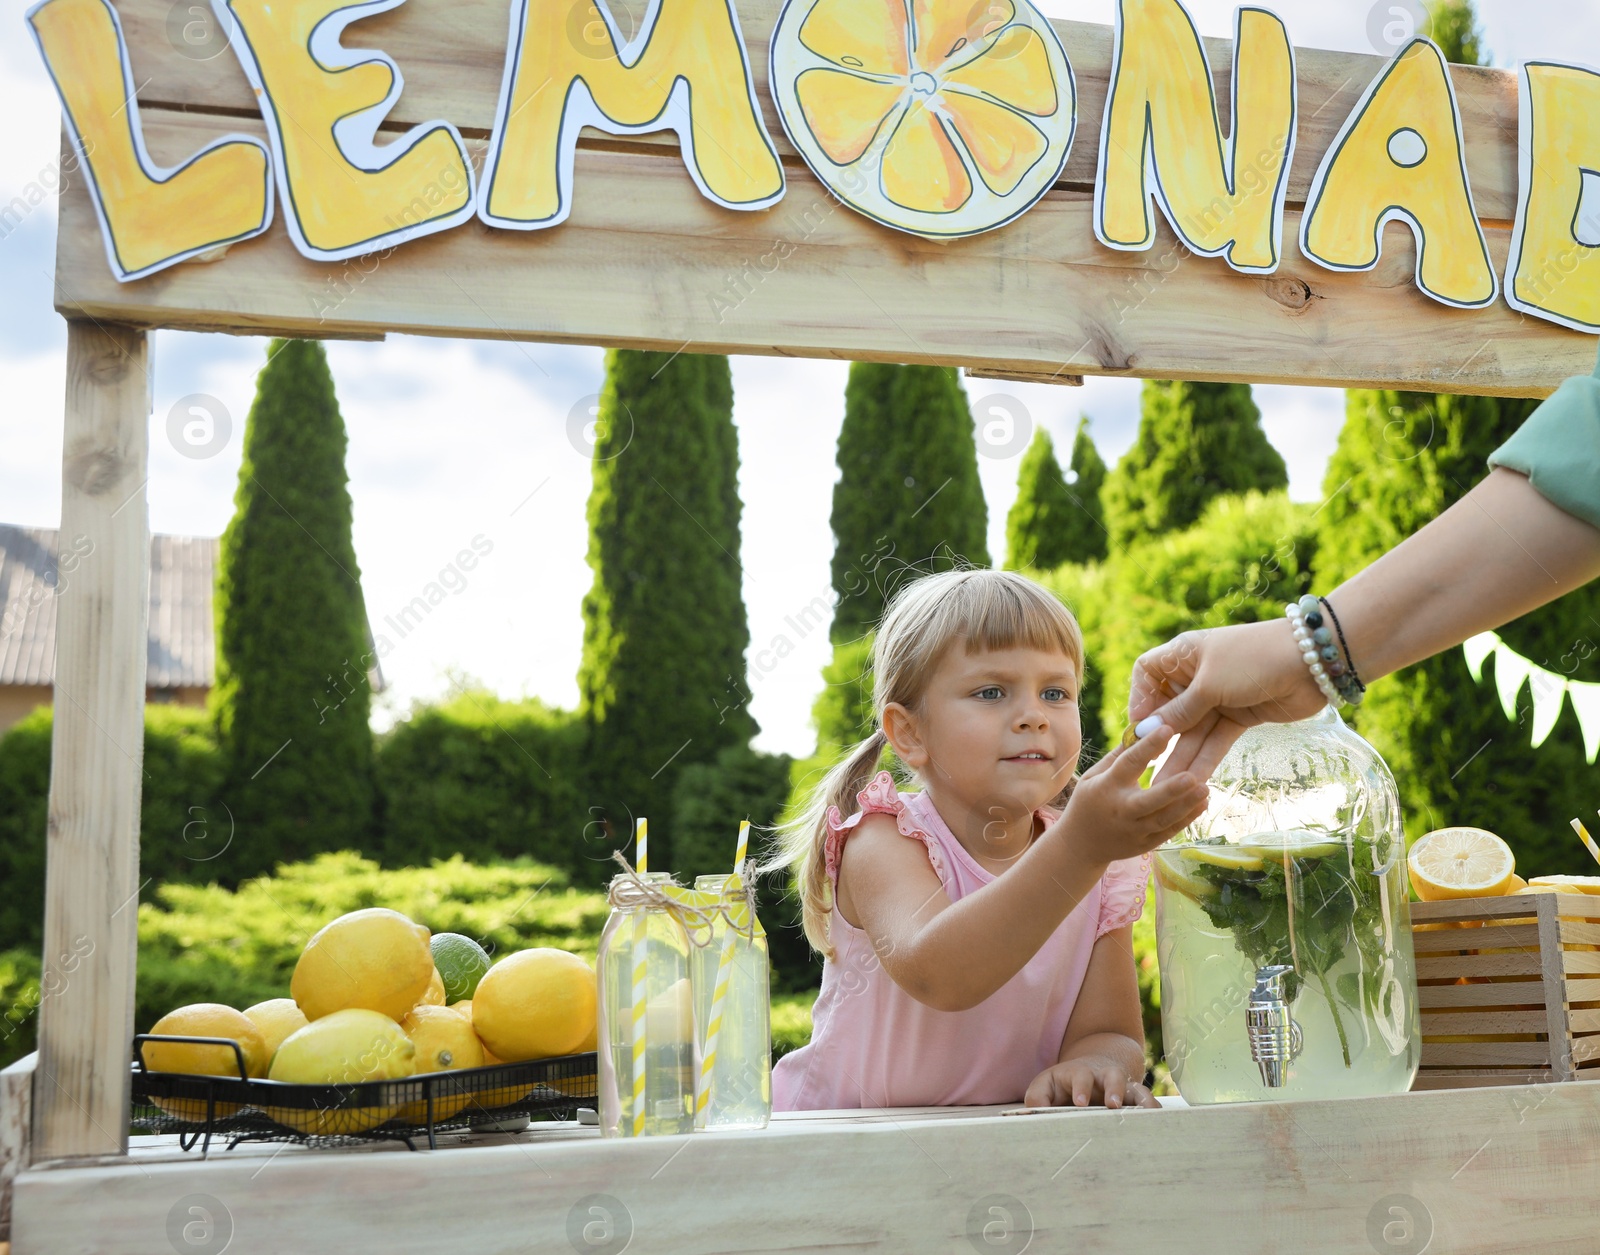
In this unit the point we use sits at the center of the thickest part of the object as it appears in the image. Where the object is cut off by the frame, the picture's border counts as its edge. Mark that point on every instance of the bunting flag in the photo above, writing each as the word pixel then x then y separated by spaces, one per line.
pixel 1549 690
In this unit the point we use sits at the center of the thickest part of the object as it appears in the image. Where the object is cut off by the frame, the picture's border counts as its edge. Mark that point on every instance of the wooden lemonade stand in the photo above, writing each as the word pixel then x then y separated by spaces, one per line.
pixel 726 239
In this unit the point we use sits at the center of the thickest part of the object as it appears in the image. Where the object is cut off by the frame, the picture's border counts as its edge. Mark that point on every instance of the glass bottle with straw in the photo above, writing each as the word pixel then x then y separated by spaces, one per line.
pixel 648 1063
pixel 733 1008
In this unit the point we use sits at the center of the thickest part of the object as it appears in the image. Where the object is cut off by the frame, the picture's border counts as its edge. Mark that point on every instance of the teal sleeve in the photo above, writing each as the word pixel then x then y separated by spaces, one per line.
pixel 1558 448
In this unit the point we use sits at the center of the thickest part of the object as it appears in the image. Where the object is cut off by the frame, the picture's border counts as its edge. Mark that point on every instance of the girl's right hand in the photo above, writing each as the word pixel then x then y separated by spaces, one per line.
pixel 1112 818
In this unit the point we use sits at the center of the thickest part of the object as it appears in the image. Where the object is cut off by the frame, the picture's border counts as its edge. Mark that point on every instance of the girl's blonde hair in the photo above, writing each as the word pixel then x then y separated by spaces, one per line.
pixel 984 609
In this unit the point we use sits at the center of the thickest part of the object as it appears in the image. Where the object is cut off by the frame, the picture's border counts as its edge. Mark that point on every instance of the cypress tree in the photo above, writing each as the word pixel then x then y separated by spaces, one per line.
pixel 908 500
pixel 1403 458
pixel 662 680
pixel 1057 518
pixel 291 699
pixel 1196 441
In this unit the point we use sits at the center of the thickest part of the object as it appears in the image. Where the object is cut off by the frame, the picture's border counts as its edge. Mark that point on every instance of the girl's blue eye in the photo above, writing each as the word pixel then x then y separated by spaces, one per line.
pixel 991 692
pixel 1056 695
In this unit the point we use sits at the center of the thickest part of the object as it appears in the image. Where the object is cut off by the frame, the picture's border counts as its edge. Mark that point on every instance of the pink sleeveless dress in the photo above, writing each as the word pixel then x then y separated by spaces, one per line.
pixel 874 1045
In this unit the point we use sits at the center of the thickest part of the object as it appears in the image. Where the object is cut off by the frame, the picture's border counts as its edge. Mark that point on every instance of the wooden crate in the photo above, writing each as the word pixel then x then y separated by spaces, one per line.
pixel 1509 988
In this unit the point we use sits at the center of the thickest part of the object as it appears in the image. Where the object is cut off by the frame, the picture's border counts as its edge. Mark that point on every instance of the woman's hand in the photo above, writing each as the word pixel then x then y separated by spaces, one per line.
pixel 1088 1081
pixel 1110 817
pixel 1221 681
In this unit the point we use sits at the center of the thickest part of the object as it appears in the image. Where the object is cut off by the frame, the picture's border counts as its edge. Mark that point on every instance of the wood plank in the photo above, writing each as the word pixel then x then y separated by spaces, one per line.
pixel 1464 1054
pixel 80 1101
pixel 1483 1022
pixel 1551 956
pixel 1581 962
pixel 451 53
pixel 1514 995
pixel 1041 295
pixel 1581 989
pixel 1520 906
pixel 1453 966
pixel 1496 1173
pixel 1472 1078
pixel 1493 935
pixel 16 1117
pixel 1577 932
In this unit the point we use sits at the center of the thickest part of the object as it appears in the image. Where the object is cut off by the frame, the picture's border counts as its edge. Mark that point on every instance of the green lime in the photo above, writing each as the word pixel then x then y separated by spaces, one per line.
pixel 461 962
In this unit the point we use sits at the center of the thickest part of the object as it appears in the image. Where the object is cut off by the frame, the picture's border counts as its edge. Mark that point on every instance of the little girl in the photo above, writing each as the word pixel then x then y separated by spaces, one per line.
pixel 977 936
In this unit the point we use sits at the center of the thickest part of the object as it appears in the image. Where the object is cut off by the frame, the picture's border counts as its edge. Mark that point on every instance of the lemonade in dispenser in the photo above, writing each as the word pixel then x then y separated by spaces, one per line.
pixel 1282 926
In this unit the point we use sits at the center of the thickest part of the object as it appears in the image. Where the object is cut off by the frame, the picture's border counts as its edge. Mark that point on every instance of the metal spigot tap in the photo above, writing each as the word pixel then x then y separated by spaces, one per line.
pixel 1275 1039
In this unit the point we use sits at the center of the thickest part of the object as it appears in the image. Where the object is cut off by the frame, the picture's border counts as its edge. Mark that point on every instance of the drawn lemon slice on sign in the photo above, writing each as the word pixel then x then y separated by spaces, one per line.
pixel 943 118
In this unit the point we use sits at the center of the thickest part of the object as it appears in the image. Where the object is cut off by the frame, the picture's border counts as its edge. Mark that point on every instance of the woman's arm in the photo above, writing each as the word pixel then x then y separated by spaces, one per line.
pixel 1499 552
pixel 1102 1051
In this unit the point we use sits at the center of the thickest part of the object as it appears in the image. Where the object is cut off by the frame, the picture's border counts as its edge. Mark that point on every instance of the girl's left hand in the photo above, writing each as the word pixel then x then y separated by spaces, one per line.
pixel 1087 1082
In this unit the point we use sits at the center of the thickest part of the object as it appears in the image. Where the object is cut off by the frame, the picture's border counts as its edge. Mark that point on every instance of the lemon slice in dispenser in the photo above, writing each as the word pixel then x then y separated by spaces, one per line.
pixel 1173 875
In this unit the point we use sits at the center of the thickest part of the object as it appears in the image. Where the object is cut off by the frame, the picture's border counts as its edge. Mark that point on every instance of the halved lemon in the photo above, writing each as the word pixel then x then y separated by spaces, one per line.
pixel 1573 884
pixel 939 117
pixel 1460 863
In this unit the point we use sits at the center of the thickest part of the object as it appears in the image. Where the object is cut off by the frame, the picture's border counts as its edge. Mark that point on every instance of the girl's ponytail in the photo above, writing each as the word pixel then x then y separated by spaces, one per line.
pixel 802 841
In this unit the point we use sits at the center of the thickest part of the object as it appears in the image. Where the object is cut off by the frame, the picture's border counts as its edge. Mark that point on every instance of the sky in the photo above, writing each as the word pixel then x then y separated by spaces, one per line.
pixel 453 441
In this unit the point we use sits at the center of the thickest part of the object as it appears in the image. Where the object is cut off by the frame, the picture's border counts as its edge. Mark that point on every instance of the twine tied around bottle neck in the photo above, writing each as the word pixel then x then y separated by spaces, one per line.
pixel 631 892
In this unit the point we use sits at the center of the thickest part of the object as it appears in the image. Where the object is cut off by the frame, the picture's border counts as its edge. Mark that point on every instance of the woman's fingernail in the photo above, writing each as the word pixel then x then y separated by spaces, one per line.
pixel 1147 725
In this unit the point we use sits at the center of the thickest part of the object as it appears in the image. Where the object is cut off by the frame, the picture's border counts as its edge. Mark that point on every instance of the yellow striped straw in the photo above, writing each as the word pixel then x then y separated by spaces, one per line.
pixel 641 999
pixel 720 990
pixel 1588 841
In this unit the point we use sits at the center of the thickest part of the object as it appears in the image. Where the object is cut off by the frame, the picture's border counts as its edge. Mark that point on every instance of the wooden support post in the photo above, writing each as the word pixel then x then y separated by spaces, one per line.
pixel 16 1106
pixel 81 1082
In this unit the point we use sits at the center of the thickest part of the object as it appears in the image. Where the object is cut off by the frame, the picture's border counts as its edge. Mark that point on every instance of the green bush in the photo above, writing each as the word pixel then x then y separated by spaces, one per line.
pixel 708 803
pixel 489 779
pixel 184 835
pixel 19 1000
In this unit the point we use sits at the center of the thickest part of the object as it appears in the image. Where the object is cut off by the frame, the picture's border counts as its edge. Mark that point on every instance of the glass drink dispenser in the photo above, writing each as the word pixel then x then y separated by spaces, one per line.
pixel 1282 927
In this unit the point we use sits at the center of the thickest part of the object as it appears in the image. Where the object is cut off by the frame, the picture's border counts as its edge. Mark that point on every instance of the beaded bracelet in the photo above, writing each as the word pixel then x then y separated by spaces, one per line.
pixel 1335 676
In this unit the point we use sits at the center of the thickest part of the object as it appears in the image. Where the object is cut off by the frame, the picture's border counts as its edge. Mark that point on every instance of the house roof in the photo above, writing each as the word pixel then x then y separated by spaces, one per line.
pixel 182 633
pixel 182 572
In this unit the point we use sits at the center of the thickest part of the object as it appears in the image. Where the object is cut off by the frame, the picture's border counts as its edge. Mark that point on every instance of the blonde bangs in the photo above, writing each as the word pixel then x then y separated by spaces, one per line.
pixel 1005 611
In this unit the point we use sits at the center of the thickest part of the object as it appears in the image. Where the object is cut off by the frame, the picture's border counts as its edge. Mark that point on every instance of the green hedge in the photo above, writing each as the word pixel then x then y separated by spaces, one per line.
pixel 489 779
pixel 184 836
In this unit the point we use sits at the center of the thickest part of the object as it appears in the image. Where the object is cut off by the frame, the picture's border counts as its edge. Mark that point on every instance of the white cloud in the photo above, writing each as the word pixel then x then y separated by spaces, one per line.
pixel 448 439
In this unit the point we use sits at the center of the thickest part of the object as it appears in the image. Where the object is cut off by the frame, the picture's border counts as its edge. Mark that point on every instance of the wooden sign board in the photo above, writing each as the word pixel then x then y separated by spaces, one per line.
pixel 645 260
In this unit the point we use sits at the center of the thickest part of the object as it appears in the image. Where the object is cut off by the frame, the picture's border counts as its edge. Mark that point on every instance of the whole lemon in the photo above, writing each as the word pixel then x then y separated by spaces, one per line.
pixel 534 1004
pixel 342 1048
pixel 205 1019
pixel 433 996
pixel 373 960
pixel 445 1042
pixel 276 1018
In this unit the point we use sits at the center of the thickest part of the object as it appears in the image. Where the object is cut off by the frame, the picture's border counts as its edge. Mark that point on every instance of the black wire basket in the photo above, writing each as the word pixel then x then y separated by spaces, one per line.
pixel 242 1108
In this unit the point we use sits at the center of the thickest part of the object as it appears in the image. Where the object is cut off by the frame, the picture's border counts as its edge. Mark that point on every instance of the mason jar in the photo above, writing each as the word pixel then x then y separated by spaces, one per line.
pixel 648 1056
pixel 741 1073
